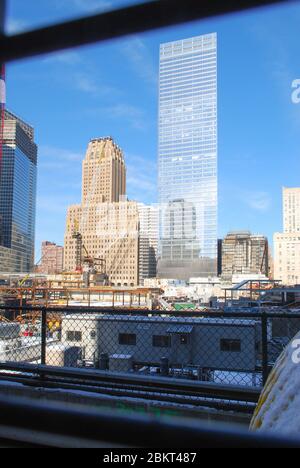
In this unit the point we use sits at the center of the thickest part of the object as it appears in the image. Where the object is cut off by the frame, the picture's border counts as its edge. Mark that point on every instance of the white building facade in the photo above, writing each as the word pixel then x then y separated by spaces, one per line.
pixel 148 241
pixel 287 244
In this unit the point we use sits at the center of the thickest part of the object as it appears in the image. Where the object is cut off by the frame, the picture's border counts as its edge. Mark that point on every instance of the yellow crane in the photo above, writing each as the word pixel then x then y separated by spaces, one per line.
pixel 23 280
pixel 78 246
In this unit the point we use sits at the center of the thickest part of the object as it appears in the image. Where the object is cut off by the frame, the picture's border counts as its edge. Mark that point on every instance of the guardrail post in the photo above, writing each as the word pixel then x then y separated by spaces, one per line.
pixel 164 366
pixel 264 346
pixel 44 335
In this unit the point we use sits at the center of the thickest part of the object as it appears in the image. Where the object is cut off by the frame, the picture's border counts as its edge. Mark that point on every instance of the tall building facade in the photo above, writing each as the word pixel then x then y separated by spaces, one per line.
pixel 17 195
pixel 287 244
pixel 52 259
pixel 244 254
pixel 103 172
pixel 187 158
pixel 148 242
pixel 107 221
pixel 291 209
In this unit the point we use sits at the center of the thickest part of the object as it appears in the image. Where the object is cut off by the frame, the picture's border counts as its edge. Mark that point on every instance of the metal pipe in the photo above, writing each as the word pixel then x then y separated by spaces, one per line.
pixel 43 336
pixel 264 344
pixel 146 312
pixel 209 389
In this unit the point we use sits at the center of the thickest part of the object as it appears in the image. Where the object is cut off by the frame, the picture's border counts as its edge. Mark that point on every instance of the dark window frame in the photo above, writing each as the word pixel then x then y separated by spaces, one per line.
pixel 230 345
pixel 127 339
pixel 74 336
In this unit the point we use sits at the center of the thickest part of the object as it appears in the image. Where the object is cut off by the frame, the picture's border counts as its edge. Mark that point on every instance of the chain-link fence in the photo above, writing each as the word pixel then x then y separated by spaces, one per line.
pixel 226 348
pixel 187 360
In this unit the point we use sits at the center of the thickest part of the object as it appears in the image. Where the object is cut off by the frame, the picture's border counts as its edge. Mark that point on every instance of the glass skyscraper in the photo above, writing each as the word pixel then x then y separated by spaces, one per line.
pixel 17 196
pixel 187 158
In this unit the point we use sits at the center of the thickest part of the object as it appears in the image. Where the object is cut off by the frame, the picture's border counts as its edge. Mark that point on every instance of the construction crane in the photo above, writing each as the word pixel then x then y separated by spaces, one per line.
pixel 264 260
pixel 85 263
pixel 96 265
pixel 78 247
pixel 23 280
pixel 93 265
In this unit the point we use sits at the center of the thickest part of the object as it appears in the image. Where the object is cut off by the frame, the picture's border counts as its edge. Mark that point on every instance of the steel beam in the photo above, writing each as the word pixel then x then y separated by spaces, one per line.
pixel 117 23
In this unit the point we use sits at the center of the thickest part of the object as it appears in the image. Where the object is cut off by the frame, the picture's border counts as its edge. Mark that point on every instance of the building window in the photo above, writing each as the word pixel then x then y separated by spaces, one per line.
pixel 74 336
pixel 127 339
pixel 230 346
pixel 161 341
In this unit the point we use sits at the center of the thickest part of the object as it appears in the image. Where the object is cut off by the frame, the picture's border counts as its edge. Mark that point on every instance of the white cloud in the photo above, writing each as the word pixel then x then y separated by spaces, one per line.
pixel 66 58
pixel 259 201
pixel 138 182
pixel 141 178
pixel 86 5
pixel 129 114
pixel 52 157
pixel 53 203
pixel 138 55
pixel 86 84
pixel 134 115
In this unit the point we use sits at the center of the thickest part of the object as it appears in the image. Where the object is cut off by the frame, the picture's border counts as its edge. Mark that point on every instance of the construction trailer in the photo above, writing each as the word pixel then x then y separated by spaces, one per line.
pixel 139 341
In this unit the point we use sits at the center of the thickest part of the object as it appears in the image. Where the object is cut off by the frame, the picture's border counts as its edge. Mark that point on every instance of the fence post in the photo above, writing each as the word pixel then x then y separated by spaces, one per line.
pixel 44 336
pixel 264 342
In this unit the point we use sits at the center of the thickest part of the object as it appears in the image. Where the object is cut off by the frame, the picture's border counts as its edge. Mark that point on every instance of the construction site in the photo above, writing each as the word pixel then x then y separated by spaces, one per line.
pixel 88 285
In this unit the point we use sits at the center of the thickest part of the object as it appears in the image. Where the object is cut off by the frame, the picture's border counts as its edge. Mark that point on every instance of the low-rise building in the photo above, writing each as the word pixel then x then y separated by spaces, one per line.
pixel 52 259
pixel 244 253
pixel 205 343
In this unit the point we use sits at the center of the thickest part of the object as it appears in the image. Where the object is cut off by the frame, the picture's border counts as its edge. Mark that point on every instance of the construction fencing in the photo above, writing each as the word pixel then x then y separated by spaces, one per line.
pixel 235 349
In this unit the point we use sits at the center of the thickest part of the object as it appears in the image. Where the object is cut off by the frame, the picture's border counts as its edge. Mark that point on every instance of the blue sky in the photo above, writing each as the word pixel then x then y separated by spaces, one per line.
pixel 111 89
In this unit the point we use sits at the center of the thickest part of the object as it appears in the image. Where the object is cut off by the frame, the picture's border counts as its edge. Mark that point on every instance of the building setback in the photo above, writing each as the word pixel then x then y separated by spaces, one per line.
pixel 244 253
pixel 17 196
pixel 107 221
pixel 187 158
pixel 287 244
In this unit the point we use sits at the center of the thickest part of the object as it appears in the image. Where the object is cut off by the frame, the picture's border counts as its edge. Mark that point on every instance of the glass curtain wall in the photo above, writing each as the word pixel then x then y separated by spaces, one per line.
pixel 187 158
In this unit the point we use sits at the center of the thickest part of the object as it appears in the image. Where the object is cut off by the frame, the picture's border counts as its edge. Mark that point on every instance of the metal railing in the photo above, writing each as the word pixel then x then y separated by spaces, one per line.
pixel 38 424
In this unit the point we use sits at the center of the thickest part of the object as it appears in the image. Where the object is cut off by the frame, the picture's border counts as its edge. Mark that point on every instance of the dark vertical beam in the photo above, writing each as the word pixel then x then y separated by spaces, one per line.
pixel 264 346
pixel 43 335
pixel 2 16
